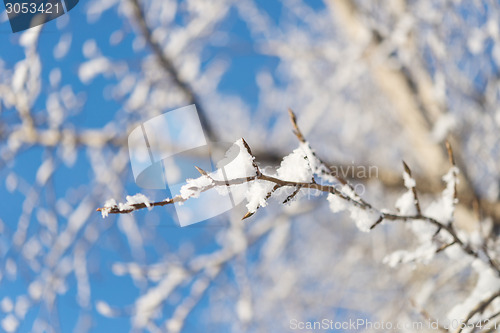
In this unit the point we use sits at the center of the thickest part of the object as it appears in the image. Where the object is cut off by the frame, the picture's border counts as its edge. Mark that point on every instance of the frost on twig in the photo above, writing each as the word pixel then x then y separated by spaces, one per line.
pixel 133 202
pixel 302 170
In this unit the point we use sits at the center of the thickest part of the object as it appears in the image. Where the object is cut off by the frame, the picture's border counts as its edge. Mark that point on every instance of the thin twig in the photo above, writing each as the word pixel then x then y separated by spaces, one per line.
pixel 479 308
pixel 413 189
pixel 168 65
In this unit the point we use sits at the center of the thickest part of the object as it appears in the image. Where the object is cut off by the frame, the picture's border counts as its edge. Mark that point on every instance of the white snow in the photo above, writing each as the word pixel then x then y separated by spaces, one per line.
pixel 348 191
pixel 257 193
pixel 363 218
pixel 194 187
pixel 443 208
pixel 295 167
pixel 337 204
pixel 406 204
pixel 315 164
pixel 422 254
pixel 110 203
pixel 138 199
pixel 131 200
pixel 409 181
pixel 237 163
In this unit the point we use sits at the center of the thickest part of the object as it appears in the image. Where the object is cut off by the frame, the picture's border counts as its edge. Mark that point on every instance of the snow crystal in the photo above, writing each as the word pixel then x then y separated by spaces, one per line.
pixel 295 167
pixel 194 187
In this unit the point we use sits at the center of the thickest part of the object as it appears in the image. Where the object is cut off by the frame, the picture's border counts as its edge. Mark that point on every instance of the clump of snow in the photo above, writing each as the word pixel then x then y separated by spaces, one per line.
pixel 406 204
pixel 423 254
pixel 194 187
pixel 364 218
pixel 409 181
pixel 237 163
pixel 424 231
pixel 138 198
pixel 257 193
pixel 337 204
pixel 295 167
pixel 442 210
pixel 315 164
pixel 110 203
pixel 349 192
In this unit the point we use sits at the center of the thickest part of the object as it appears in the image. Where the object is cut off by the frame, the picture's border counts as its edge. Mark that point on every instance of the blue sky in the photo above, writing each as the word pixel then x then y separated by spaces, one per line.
pixel 95 113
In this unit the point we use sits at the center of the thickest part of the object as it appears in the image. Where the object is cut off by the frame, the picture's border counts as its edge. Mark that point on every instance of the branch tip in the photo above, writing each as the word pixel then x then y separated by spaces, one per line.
pixel 247 215
pixel 407 168
pixel 380 219
pixel 247 147
pixel 201 171
pixel 450 153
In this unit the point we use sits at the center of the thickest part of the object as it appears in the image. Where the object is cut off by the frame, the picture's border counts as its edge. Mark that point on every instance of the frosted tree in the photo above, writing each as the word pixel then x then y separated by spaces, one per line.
pixel 372 82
